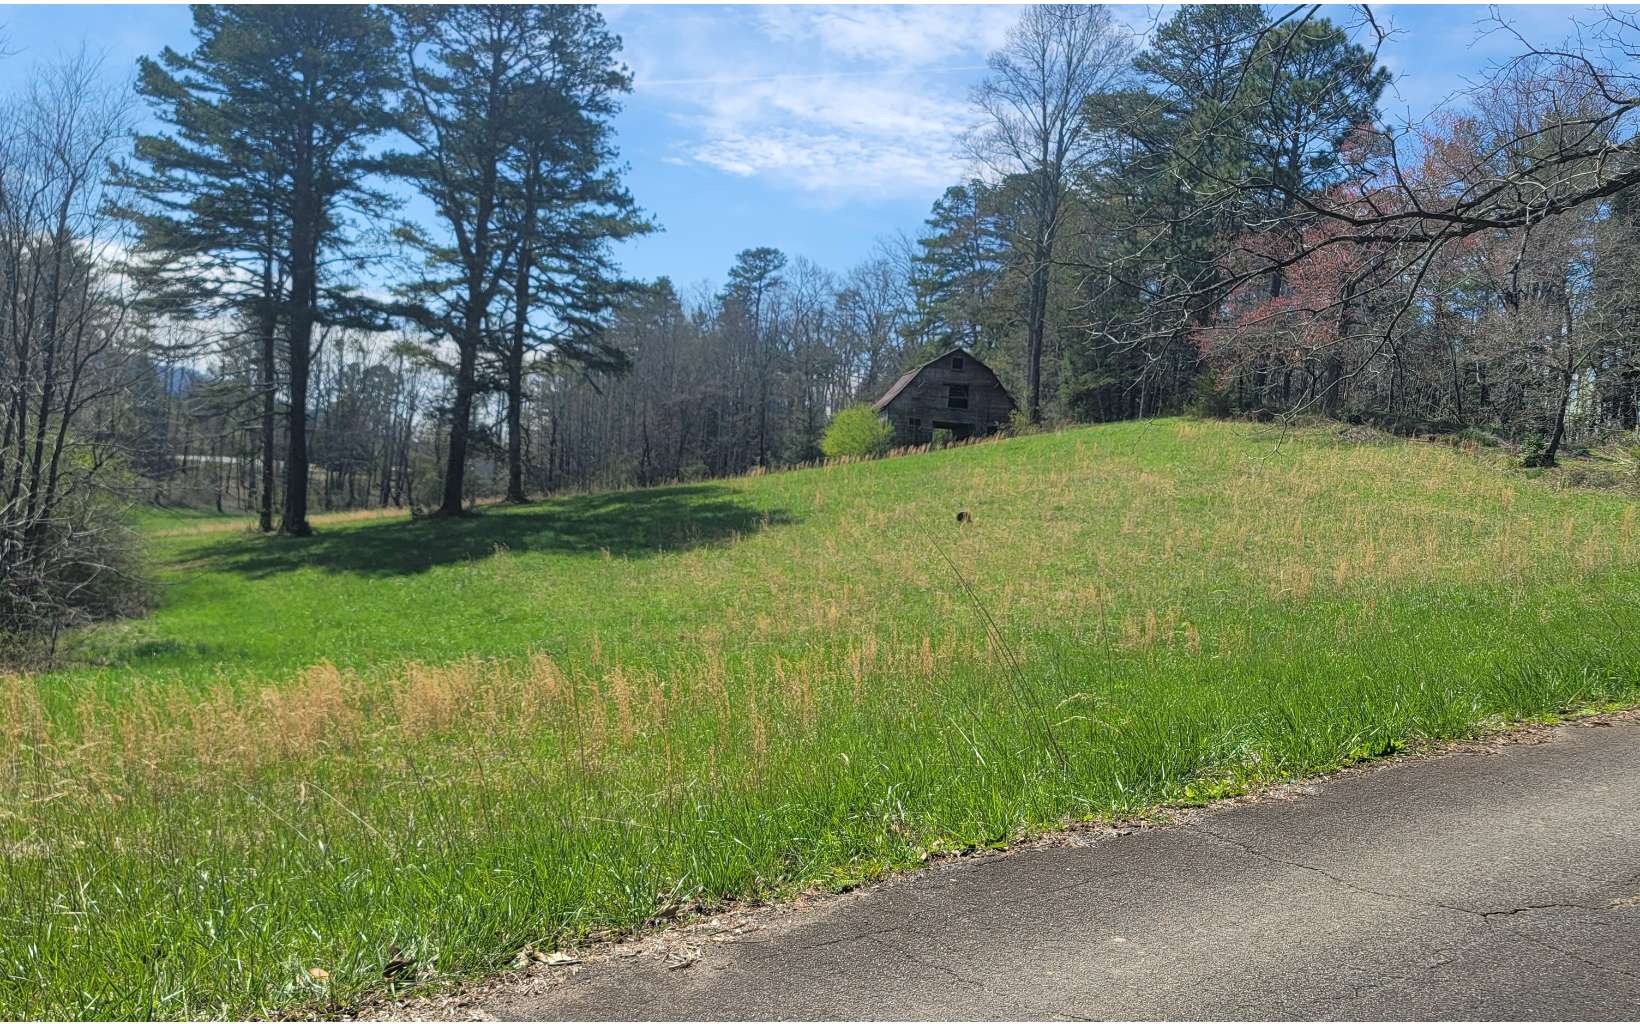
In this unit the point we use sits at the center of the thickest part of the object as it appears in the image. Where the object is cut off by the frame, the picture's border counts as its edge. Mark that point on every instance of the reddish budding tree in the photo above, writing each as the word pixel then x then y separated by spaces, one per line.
pixel 1295 326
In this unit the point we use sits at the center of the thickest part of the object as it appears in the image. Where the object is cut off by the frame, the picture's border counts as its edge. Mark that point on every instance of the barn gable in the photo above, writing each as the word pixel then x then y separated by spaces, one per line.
pixel 954 392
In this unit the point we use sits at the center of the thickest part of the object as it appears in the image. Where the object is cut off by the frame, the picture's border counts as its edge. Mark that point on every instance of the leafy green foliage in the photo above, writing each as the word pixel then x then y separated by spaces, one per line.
pixel 857 431
pixel 1534 451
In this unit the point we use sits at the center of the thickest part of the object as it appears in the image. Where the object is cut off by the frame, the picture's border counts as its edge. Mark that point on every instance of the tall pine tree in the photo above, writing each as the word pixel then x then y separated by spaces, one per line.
pixel 568 204
pixel 271 117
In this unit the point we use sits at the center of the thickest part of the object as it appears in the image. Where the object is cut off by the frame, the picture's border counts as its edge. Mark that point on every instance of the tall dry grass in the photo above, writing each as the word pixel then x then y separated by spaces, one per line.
pixel 168 733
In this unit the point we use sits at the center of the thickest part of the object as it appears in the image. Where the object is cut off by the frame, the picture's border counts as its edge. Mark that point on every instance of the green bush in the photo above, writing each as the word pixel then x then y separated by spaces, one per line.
pixel 1020 425
pixel 1534 451
pixel 1477 436
pixel 856 431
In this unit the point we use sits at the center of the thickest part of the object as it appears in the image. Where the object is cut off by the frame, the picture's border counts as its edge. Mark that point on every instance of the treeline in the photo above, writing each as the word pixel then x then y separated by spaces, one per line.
pixel 1290 251
pixel 1220 220
pixel 1223 221
pixel 709 384
pixel 195 438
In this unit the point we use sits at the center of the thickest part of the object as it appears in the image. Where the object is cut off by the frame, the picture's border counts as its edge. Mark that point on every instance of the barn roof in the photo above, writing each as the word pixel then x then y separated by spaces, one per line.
pixel 906 379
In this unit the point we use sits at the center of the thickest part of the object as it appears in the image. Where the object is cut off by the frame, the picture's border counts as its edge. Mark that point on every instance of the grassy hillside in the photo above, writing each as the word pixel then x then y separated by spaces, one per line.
pixel 441 742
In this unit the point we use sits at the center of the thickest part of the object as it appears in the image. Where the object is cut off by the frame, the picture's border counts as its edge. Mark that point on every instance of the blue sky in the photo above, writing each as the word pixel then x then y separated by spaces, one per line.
pixel 814 129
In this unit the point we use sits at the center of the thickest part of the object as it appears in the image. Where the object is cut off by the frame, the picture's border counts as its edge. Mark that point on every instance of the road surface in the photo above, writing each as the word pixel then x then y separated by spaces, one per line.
pixel 1502 883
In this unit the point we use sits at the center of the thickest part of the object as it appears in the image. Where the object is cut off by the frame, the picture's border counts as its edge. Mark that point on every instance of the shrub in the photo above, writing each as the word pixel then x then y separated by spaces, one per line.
pixel 1020 425
pixel 1477 436
pixel 1534 451
pixel 81 565
pixel 858 432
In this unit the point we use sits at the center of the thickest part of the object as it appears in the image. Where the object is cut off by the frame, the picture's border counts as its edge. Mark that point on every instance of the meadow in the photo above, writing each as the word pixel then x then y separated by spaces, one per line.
pixel 403 751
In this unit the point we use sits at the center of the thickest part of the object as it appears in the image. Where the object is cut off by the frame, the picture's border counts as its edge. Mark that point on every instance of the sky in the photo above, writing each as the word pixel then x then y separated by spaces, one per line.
pixel 818 129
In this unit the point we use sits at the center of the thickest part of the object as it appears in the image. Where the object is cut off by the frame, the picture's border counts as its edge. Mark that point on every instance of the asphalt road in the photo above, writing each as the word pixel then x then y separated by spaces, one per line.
pixel 1502 884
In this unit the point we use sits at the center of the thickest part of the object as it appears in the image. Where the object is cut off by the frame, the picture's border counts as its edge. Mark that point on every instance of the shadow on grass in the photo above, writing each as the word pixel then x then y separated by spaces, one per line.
pixel 623 523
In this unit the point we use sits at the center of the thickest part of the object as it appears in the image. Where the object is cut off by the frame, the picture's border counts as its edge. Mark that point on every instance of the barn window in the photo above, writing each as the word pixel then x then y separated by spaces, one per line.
pixel 958 397
pixel 956 362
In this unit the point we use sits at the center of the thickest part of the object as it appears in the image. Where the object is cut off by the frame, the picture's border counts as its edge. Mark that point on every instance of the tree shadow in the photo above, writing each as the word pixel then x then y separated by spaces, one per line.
pixel 626 524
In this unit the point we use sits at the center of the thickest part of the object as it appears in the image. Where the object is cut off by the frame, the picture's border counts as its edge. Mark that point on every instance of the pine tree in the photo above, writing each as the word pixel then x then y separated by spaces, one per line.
pixel 271 119
pixel 568 205
pixel 755 274
pixel 1318 88
pixel 961 260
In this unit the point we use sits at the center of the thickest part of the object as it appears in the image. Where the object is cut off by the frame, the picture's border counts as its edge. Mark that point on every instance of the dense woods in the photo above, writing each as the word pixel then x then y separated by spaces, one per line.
pixel 237 310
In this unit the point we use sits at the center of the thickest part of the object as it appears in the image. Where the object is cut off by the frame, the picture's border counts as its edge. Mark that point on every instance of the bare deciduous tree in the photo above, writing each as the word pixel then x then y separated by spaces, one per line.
pixel 63 324
pixel 1056 59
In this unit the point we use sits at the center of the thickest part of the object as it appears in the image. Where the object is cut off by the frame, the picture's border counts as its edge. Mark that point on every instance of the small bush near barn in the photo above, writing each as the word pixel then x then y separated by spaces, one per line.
pixel 856 432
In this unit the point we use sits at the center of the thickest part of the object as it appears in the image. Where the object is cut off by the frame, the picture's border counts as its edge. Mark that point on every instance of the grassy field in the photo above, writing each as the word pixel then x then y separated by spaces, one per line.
pixel 436 743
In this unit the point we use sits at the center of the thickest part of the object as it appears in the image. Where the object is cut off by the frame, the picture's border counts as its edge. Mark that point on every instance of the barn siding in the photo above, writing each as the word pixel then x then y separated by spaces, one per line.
pixel 925 401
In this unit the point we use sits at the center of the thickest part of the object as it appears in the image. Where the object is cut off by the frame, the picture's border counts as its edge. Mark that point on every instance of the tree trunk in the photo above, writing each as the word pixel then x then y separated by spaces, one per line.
pixel 461 413
pixel 1559 434
pixel 1041 269
pixel 1566 374
pixel 267 384
pixel 48 376
pixel 1036 331
pixel 293 520
pixel 520 336
pixel 303 294
pixel 515 422
pixel 1457 383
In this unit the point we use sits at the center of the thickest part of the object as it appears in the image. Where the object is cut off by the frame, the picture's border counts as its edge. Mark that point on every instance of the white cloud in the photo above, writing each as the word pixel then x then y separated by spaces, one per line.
pixel 836 138
pixel 830 167
pixel 910 35
pixel 837 103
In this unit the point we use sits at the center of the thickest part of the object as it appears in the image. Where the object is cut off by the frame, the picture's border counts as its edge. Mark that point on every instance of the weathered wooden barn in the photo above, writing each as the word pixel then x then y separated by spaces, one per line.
pixel 953 392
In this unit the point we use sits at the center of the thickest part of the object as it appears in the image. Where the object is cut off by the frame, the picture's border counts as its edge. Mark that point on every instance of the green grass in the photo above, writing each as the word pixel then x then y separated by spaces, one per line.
pixel 455 739
pixel 157 518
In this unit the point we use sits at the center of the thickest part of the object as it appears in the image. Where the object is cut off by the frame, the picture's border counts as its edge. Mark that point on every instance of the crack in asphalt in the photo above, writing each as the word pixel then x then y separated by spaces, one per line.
pixel 869 935
pixel 1512 911
pixel 960 978
pixel 1344 882
pixel 934 965
pixel 1483 915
